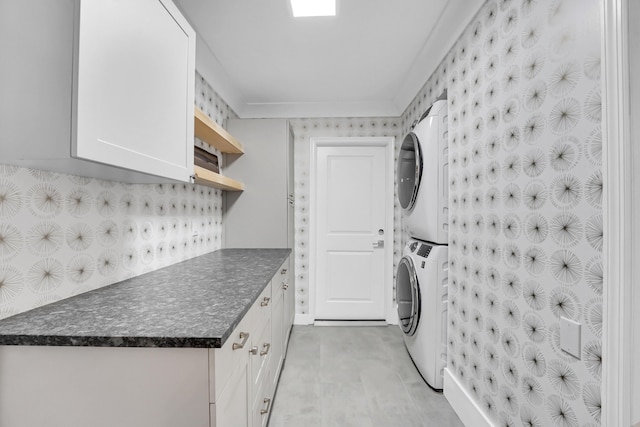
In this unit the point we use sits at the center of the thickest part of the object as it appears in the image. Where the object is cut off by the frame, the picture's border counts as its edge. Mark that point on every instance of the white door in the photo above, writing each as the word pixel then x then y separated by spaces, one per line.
pixel 350 229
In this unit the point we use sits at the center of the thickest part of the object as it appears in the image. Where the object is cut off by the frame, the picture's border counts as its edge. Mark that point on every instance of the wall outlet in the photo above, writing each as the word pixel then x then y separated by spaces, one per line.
pixel 570 336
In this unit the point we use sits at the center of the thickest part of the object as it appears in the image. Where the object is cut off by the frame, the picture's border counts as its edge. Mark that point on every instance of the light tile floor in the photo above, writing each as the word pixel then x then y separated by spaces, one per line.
pixel 355 376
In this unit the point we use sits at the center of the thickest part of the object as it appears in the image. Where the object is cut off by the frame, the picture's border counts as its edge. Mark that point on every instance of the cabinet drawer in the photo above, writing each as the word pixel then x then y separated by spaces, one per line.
pixel 261 407
pixel 234 355
pixel 260 358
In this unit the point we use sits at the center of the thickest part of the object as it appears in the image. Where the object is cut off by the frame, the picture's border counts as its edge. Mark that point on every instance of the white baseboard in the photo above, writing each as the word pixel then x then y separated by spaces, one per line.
pixel 392 318
pixel 350 323
pixel 303 319
pixel 307 319
pixel 468 411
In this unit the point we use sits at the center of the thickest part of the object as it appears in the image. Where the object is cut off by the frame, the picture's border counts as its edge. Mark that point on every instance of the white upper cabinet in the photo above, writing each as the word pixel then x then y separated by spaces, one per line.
pixel 135 82
pixel 95 85
pixel 267 170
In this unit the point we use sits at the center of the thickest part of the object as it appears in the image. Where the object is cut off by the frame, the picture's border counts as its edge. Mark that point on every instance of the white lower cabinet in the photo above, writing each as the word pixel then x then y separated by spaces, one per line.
pixel 245 379
pixel 269 323
pixel 232 386
pixel 240 369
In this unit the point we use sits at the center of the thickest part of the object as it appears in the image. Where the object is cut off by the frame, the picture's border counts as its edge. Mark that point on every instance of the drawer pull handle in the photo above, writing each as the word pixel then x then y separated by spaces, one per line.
pixel 284 271
pixel 265 302
pixel 244 336
pixel 266 410
pixel 267 347
pixel 285 286
pixel 254 350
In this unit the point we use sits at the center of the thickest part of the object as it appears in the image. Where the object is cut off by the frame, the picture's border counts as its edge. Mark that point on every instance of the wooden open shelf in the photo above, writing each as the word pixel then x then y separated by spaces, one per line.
pixel 214 135
pixel 212 179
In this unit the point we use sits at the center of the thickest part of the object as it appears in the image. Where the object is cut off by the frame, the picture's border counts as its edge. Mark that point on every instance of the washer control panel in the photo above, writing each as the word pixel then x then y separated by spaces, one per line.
pixel 424 250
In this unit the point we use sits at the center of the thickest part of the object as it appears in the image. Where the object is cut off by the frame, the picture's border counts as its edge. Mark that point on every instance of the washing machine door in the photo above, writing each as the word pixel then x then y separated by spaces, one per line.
pixel 409 170
pixel 407 296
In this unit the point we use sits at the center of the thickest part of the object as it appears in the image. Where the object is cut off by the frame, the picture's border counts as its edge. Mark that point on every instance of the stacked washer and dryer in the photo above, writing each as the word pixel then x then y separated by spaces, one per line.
pixel 422 275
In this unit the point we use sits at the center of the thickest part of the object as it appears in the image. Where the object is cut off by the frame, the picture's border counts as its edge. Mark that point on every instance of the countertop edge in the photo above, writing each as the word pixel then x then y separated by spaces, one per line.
pixel 109 341
pixel 100 340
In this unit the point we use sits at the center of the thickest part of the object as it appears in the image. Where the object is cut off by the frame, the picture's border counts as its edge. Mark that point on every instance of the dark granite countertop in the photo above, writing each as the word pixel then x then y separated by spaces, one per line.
pixel 195 303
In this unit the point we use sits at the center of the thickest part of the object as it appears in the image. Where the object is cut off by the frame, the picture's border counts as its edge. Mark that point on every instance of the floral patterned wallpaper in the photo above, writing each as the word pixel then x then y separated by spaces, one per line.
pixel 526 227
pixel 61 235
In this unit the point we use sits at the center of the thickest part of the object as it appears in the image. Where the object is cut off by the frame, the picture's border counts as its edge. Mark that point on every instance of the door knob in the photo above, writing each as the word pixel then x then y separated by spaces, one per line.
pixel 379 244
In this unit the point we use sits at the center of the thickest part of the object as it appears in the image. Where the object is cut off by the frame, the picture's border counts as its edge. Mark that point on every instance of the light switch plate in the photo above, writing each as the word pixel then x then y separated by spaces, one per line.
pixel 570 333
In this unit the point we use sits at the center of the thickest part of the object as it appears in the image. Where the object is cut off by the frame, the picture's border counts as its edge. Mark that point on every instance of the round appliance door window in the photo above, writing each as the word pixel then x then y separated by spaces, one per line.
pixel 409 171
pixel 407 296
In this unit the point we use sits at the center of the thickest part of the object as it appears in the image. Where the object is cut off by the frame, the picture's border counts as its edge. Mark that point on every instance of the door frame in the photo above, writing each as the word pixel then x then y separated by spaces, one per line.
pixel 618 250
pixel 388 143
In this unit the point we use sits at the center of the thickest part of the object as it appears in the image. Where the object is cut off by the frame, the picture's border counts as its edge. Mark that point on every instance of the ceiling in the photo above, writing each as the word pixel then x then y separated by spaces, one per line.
pixel 369 60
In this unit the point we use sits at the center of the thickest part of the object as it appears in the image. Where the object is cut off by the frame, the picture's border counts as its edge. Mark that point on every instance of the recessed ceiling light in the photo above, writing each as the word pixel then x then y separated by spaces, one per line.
pixel 302 8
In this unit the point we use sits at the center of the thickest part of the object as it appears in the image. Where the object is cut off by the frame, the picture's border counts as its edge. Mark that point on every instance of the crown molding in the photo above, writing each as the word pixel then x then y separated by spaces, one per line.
pixel 452 22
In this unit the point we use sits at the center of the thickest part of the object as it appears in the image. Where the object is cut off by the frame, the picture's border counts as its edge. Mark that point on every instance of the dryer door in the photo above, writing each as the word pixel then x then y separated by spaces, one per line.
pixel 407 296
pixel 409 171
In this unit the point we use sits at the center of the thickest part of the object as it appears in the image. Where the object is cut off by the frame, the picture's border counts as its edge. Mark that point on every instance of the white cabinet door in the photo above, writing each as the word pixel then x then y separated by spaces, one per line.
pixel 261 407
pixel 233 406
pixel 289 302
pixel 232 357
pixel 135 79
pixel 277 332
pixel 264 170
pixel 260 358
pixel 98 88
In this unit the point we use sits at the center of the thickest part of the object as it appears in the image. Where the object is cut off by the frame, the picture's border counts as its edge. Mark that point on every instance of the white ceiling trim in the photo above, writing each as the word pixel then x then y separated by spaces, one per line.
pixel 320 109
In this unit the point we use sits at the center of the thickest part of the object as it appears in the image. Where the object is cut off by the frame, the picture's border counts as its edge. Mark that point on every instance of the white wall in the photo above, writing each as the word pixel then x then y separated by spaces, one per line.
pixel 634 77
